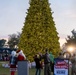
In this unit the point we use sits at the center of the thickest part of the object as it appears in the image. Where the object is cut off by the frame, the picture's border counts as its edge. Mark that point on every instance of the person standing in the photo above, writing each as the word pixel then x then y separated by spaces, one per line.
pixel 20 55
pixel 60 56
pixel 38 64
pixel 52 61
pixel 73 60
pixel 13 62
pixel 47 68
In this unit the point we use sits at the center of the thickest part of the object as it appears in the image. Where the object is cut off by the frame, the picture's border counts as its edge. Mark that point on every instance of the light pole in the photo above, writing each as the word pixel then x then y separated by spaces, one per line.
pixel 71 50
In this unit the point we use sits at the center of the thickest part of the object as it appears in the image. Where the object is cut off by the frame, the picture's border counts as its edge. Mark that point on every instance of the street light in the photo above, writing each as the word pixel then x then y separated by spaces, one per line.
pixel 71 49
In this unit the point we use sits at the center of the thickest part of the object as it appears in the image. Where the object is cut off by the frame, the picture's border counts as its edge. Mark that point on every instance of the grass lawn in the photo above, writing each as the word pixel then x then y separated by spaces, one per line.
pixel 6 71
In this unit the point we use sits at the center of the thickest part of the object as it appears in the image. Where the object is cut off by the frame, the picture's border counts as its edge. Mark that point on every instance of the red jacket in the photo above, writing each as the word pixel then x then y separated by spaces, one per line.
pixel 20 58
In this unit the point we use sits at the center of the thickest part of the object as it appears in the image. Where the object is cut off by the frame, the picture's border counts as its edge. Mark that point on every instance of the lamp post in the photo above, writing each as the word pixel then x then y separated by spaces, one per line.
pixel 71 50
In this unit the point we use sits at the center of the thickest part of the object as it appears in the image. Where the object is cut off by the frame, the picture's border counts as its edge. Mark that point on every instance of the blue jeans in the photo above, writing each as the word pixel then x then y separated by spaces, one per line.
pixel 38 71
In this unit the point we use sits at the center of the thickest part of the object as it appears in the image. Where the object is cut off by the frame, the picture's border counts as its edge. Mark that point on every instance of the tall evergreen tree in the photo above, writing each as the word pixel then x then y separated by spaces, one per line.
pixel 39 31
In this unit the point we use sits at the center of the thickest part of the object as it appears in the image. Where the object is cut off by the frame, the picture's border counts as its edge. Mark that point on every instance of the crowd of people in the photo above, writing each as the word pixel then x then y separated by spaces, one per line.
pixel 43 61
pixel 48 60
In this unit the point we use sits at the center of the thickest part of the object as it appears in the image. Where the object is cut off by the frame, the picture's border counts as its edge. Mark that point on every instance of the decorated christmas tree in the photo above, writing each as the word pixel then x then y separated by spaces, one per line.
pixel 39 31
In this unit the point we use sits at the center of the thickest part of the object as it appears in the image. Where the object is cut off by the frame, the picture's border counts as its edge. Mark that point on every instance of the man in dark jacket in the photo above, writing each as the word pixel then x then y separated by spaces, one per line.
pixel 38 64
pixel 47 68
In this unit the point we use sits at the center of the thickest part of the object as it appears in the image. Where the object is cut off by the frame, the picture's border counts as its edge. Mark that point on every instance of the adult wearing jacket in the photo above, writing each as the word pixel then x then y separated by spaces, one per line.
pixel 38 64
pixel 52 61
pixel 47 68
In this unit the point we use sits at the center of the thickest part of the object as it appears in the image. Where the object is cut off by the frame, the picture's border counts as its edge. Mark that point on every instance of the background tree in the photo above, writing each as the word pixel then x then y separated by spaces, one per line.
pixel 71 40
pixel 13 40
pixel 39 31
pixel 2 43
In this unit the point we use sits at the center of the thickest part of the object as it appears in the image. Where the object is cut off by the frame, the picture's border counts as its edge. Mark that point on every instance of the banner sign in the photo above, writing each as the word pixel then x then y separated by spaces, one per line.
pixel 61 66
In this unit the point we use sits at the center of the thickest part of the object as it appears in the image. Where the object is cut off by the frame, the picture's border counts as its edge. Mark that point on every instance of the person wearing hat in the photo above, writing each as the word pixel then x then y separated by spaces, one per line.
pixel 13 62
pixel 20 55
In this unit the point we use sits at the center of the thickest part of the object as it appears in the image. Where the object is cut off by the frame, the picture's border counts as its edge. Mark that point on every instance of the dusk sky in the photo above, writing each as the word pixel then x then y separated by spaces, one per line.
pixel 13 13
